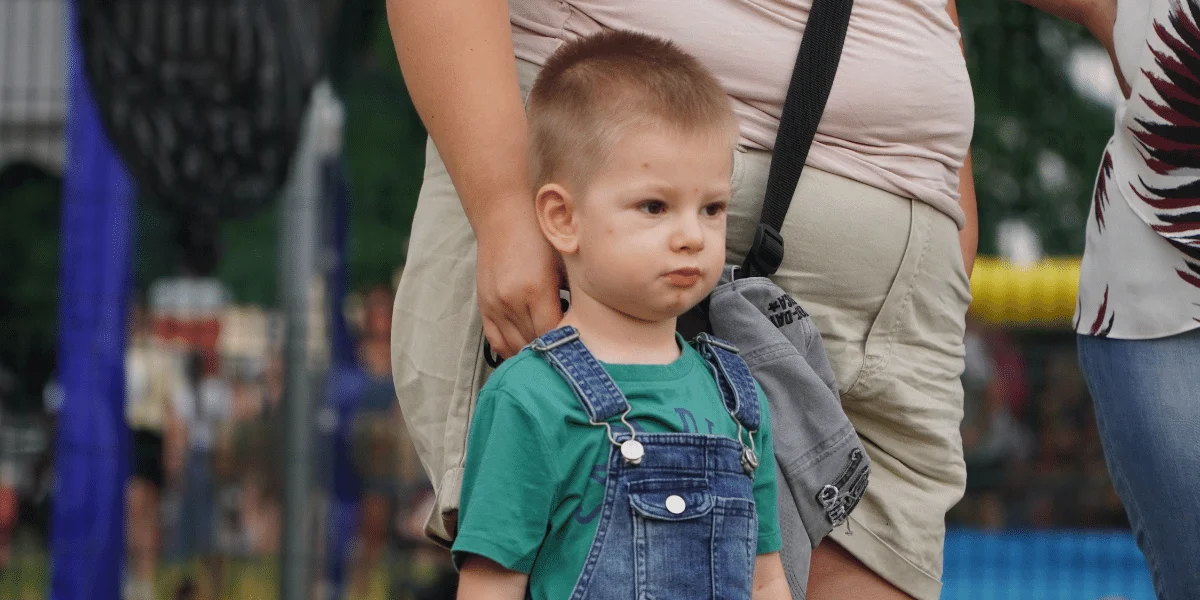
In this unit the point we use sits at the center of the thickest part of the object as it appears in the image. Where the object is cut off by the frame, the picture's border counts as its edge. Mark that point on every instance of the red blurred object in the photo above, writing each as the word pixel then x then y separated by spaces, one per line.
pixel 9 503
pixel 1010 369
pixel 186 313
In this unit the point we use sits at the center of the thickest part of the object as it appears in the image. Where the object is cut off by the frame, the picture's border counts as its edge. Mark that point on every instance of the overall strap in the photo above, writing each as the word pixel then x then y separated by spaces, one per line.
pixel 733 379
pixel 593 386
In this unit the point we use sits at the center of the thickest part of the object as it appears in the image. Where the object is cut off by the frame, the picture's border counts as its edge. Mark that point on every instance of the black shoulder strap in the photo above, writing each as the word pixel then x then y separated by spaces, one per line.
pixel 812 78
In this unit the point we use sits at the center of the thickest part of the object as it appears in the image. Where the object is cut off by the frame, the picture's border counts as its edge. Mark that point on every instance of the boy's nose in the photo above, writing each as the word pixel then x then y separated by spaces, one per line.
pixel 688 235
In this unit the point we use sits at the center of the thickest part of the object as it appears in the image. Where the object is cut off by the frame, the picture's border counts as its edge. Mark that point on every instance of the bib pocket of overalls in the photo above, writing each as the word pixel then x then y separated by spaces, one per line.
pixel 689 543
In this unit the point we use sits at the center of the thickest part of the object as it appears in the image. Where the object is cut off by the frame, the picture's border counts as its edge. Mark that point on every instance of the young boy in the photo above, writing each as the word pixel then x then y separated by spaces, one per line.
pixel 610 459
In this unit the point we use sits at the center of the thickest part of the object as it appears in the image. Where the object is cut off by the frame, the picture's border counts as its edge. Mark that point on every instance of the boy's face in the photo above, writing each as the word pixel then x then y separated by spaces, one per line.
pixel 649 230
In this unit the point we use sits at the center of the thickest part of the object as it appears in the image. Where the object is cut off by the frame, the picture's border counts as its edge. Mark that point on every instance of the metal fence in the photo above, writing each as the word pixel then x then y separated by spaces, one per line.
pixel 228 327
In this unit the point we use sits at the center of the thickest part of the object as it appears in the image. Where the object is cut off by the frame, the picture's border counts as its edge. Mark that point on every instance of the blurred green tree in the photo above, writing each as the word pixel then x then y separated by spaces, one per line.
pixel 29 246
pixel 385 156
pixel 1038 139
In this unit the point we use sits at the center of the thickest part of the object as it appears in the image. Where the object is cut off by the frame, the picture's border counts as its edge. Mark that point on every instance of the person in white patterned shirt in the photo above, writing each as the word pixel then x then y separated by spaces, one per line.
pixel 1138 314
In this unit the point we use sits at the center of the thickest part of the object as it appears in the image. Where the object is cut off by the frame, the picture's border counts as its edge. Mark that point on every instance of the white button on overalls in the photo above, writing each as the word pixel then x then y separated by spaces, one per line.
pixel 676 505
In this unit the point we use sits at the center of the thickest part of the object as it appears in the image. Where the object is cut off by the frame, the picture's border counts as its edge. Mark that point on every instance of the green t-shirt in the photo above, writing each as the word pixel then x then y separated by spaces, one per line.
pixel 535 468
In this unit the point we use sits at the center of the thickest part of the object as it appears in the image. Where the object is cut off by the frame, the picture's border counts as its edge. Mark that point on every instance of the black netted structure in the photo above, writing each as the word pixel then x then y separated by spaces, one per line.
pixel 203 99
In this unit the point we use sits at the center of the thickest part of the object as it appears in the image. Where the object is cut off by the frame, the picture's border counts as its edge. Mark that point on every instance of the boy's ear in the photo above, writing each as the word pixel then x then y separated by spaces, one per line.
pixel 555 209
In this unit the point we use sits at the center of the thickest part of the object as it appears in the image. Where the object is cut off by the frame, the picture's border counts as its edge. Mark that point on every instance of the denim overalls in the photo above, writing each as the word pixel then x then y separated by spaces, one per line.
pixel 678 520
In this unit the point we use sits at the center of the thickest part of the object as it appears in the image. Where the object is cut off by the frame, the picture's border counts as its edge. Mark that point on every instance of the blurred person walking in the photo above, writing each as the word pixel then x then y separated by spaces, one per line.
pixel 374 468
pixel 262 483
pixel 202 403
pixel 376 439
pixel 152 375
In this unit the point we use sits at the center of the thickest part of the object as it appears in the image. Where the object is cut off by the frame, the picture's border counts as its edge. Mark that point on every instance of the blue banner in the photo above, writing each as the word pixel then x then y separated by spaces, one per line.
pixel 91 455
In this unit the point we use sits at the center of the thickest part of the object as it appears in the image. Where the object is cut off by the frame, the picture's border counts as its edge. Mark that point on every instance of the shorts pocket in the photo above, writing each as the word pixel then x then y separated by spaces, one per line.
pixel 739 168
pixel 877 345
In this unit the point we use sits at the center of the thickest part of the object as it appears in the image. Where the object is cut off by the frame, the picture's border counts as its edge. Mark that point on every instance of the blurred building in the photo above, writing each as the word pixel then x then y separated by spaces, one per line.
pixel 33 95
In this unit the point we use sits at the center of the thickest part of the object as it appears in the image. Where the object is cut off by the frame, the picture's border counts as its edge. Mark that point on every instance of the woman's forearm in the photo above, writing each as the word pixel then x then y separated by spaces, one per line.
pixel 1095 15
pixel 968 238
pixel 1071 10
pixel 457 60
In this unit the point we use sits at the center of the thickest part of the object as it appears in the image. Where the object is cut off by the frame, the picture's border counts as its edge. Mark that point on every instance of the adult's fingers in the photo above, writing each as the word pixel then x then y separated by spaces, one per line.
pixel 513 339
pixel 518 315
pixel 532 311
pixel 510 339
pixel 494 337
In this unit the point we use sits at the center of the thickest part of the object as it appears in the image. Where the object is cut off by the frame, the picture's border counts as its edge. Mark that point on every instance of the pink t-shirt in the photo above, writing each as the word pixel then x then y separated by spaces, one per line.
pixel 900 115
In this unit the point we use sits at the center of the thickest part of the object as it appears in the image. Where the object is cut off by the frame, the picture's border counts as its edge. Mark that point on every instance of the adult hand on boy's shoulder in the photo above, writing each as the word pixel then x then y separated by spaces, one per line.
pixel 483 579
pixel 770 582
pixel 517 280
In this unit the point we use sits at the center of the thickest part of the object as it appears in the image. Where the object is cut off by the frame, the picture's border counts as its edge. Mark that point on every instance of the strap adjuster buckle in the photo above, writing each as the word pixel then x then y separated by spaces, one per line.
pixel 766 253
pixel 539 345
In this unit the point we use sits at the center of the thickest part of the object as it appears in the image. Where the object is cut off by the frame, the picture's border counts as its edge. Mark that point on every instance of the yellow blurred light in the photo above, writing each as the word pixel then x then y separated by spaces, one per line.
pixel 1041 294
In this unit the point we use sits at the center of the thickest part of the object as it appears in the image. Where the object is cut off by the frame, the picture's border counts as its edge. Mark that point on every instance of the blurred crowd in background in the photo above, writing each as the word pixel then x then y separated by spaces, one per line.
pixel 204 382
pixel 1029 434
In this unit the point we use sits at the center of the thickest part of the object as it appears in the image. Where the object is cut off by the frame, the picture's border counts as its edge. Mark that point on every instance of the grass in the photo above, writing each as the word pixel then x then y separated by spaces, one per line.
pixel 27 577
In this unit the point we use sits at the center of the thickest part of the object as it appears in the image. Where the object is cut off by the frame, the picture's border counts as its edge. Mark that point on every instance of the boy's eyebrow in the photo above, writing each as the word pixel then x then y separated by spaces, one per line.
pixel 652 186
pixel 663 189
pixel 723 191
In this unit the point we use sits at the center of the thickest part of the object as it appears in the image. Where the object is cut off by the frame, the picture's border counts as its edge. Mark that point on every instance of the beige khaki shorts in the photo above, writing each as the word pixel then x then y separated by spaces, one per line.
pixel 882 277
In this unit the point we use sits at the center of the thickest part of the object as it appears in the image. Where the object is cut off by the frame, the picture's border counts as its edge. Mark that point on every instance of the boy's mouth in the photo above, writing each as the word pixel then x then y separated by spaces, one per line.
pixel 686 277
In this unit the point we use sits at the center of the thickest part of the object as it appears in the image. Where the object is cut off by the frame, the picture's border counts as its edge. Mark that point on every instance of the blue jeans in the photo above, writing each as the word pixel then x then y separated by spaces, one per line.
pixel 1147 398
pixel 195 532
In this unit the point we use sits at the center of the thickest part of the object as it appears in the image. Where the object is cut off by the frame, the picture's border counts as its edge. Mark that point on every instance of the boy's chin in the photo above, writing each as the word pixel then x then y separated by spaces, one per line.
pixel 659 313
pixel 687 307
pixel 678 310
pixel 656 309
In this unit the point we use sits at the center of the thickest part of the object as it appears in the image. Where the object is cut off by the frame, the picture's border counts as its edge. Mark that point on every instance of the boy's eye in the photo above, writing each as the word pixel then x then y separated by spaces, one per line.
pixel 715 209
pixel 653 207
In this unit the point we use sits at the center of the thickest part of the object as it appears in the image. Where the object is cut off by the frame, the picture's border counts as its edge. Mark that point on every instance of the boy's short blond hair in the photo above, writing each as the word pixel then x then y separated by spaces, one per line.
pixel 593 90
